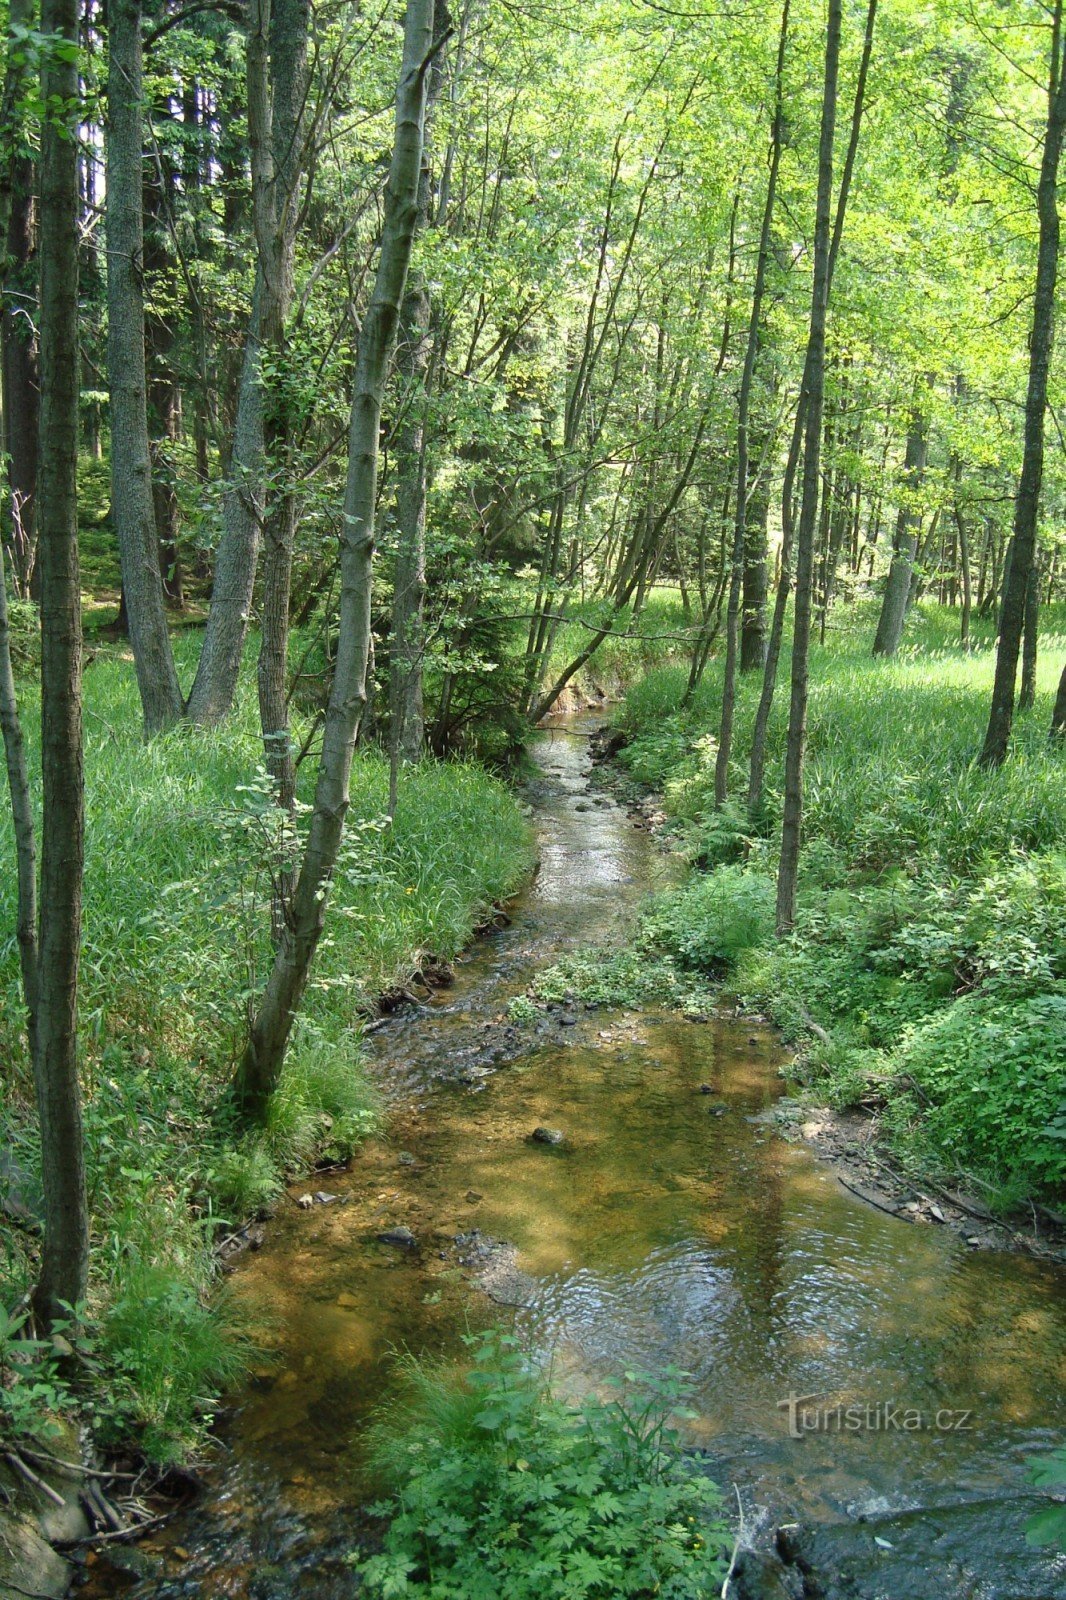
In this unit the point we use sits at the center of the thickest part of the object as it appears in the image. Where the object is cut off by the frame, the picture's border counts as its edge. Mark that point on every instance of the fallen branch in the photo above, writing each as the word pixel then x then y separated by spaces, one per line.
pixel 27 1472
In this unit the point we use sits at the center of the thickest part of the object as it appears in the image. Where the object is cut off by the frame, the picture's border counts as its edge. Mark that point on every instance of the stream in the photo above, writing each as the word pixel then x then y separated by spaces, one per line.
pixel 670 1226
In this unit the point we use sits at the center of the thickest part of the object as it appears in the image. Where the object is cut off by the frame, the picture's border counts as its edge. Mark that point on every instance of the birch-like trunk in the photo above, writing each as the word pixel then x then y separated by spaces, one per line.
pixel 133 508
pixel 264 1056
pixel 741 510
pixel 792 815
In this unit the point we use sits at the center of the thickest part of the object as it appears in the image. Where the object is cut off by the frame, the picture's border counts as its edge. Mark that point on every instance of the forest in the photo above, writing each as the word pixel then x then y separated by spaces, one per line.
pixel 532 667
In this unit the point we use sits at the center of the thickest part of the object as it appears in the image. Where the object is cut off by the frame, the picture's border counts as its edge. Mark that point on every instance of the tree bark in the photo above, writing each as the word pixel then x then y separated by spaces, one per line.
pixel 1057 731
pixel 64 1261
pixel 260 1067
pixel 18 337
pixel 406 718
pixel 279 44
pixel 792 815
pixel 773 649
pixel 896 598
pixel 22 820
pixel 1027 502
pixel 1030 641
pixel 276 110
pixel 132 504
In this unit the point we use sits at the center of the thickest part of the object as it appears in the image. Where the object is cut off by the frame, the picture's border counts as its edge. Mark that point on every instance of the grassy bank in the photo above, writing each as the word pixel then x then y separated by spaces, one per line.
pixel 182 841
pixel 927 975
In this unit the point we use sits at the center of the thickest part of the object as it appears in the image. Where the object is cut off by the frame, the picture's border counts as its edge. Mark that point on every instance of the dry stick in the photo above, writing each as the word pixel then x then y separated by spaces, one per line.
pixel 736 1547
pixel 15 1460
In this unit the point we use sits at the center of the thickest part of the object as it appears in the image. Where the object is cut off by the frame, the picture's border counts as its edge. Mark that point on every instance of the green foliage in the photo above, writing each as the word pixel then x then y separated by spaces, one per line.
pixel 500 1489
pixel 631 976
pixel 983 1082
pixel 25 636
pixel 1048 1526
pixel 32 1388
pixel 713 920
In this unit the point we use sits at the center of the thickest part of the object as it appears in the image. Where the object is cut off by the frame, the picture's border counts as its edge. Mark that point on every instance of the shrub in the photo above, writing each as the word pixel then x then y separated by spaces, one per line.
pixel 500 1490
pixel 988 1088
pixel 710 922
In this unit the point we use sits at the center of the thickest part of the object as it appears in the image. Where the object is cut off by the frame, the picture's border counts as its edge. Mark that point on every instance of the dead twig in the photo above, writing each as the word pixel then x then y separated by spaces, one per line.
pixel 27 1472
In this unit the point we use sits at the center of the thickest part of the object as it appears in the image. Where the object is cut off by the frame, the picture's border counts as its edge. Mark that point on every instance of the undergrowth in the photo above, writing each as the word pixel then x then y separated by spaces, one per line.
pixel 497 1488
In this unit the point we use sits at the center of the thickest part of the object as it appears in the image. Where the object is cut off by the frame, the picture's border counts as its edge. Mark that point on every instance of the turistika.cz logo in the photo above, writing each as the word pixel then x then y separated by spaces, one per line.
pixel 806 1415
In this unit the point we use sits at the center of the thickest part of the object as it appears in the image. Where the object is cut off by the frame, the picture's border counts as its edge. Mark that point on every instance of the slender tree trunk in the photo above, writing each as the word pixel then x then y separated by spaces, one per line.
pixel 261 1064
pixel 777 629
pixel 276 111
pixel 64 1261
pixel 18 337
pixel 407 729
pixel 1027 694
pixel 741 535
pixel 897 593
pixel 964 557
pixel 792 815
pixel 22 820
pixel 756 587
pixel 245 500
pixel 131 466
pixel 1057 731
pixel 1027 502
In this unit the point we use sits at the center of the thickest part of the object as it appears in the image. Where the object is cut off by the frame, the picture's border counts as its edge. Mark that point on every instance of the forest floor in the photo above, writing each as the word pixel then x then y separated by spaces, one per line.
pixel 924 989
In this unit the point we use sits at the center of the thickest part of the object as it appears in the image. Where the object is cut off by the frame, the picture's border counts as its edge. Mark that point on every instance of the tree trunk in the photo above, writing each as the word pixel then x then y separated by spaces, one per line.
pixel 1027 503
pixel 22 820
pixel 406 719
pixel 896 597
pixel 756 588
pixel 1057 731
pixel 792 815
pixel 132 506
pixel 276 111
pixel 64 1261
pixel 777 629
pixel 264 1056
pixel 244 508
pixel 741 535
pixel 1027 694
pixel 18 337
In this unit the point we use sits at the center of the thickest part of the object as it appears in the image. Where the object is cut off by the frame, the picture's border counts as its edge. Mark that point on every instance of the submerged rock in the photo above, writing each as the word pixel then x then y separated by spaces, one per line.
pixel 400 1238
pixel 547 1136
pixel 974 1549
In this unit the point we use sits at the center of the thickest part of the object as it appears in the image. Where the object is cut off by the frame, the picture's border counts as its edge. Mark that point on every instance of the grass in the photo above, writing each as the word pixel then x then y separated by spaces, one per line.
pixel 181 841
pixel 930 944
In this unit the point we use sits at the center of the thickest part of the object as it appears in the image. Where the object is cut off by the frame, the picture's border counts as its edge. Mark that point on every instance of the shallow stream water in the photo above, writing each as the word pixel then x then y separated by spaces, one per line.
pixel 670 1227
